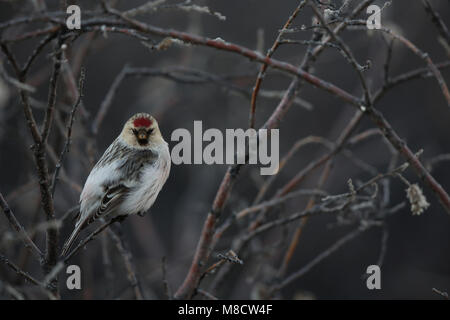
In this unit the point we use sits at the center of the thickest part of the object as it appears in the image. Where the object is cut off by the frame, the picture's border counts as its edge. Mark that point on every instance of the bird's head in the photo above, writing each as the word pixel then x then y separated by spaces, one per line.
pixel 142 131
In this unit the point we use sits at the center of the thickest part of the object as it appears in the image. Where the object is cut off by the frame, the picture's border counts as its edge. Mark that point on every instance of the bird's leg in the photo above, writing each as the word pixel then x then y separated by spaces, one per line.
pixel 141 214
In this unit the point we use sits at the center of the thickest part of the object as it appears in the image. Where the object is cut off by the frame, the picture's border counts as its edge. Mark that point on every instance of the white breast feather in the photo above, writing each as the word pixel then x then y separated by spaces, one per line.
pixel 152 180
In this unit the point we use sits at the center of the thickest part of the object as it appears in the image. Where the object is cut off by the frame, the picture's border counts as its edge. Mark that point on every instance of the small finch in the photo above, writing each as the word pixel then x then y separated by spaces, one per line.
pixel 127 178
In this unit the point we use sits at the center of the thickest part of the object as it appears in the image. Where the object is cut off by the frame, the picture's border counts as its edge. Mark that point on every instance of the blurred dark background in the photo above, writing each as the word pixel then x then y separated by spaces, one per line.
pixel 417 257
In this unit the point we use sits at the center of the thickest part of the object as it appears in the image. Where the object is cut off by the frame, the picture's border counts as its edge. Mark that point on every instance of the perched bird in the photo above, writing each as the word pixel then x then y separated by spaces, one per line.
pixel 127 178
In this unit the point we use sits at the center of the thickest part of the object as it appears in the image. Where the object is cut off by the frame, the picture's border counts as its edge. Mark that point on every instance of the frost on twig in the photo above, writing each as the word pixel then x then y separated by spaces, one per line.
pixel 145 8
pixel 155 5
pixel 203 9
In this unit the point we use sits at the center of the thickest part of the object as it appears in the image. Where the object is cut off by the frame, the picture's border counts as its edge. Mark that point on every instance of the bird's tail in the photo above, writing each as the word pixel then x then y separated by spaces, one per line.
pixel 71 239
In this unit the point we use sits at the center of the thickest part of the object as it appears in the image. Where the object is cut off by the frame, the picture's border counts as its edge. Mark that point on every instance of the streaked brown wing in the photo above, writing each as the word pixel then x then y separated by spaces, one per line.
pixel 113 197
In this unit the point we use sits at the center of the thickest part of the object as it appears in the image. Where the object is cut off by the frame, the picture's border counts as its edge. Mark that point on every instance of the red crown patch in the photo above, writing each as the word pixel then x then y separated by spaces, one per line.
pixel 142 122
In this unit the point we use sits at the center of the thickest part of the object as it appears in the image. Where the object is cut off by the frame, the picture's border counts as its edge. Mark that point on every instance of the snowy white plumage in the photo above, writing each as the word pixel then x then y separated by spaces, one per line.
pixel 128 177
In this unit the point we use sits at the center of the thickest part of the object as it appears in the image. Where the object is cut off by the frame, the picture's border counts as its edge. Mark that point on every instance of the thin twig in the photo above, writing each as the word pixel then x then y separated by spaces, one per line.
pixel 333 248
pixel 69 133
pixel 29 278
pixel 29 244
pixel 437 20
pixel 206 294
pixel 441 293
pixel 20 272
pixel 128 260
pixel 166 285
pixel 263 68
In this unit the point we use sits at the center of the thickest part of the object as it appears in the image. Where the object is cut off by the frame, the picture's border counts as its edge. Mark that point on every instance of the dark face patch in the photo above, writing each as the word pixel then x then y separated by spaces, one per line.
pixel 142 135
pixel 142 122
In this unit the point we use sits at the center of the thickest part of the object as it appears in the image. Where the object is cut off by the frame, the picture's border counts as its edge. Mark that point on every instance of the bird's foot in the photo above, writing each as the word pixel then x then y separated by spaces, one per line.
pixel 141 214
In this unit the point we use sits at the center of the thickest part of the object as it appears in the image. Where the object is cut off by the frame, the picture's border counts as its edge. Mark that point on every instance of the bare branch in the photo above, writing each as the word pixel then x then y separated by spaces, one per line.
pixel 29 244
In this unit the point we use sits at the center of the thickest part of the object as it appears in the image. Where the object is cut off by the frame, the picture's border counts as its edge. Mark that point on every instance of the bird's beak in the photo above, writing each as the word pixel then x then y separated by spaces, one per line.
pixel 142 135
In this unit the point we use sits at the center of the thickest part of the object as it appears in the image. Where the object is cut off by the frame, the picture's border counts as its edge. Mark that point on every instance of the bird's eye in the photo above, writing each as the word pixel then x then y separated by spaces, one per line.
pixel 134 131
pixel 149 131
